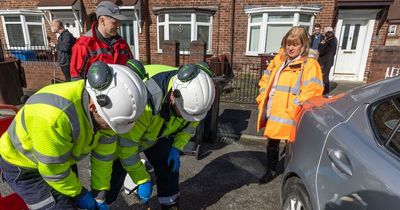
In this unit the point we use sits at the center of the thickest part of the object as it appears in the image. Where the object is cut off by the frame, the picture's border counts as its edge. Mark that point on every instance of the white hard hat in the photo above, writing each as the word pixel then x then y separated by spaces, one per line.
pixel 119 94
pixel 194 92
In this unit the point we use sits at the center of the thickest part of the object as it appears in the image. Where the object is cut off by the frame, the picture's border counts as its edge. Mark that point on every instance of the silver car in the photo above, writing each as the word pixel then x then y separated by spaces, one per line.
pixel 347 151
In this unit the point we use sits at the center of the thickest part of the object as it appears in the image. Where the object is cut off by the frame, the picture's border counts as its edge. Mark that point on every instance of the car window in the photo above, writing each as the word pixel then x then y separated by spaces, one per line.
pixel 386 118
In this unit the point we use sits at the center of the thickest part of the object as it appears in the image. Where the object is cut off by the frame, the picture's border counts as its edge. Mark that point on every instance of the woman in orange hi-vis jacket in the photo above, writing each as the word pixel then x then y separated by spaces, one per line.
pixel 292 77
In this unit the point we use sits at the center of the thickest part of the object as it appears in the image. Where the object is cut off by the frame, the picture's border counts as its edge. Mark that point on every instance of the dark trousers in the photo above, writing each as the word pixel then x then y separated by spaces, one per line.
pixel 325 77
pixel 66 72
pixel 35 191
pixel 157 155
pixel 326 88
pixel 273 154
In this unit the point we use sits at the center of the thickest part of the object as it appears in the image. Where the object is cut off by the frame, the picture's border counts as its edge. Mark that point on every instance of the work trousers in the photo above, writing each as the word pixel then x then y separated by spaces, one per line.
pixel 33 189
pixel 167 181
pixel 273 154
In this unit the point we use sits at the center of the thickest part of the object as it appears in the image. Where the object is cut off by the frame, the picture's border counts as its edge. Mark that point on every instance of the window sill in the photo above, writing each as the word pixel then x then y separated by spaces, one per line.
pixel 392 36
pixel 253 54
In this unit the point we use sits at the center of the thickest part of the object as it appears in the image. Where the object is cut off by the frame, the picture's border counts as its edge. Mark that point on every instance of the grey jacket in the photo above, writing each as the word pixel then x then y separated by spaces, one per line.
pixel 64 46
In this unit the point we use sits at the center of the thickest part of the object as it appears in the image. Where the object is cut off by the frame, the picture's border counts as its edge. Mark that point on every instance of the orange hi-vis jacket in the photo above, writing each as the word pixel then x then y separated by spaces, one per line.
pixel 298 81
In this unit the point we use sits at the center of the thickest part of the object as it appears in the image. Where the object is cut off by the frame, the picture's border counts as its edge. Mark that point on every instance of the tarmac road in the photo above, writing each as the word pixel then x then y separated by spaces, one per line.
pixel 225 178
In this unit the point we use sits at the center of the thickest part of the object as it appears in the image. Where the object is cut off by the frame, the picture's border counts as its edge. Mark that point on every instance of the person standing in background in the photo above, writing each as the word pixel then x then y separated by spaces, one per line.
pixel 316 37
pixel 63 46
pixel 101 43
pixel 327 50
pixel 293 77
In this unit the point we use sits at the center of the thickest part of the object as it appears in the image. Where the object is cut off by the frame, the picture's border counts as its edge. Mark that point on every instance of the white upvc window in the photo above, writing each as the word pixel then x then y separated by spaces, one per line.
pixel 392 30
pixel 24 30
pixel 184 27
pixel 129 30
pixel 268 25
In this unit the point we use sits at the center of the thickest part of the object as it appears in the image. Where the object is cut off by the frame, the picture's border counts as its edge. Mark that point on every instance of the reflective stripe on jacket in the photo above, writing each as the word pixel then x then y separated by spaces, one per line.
pixel 151 127
pixel 298 81
pixel 89 48
pixel 50 133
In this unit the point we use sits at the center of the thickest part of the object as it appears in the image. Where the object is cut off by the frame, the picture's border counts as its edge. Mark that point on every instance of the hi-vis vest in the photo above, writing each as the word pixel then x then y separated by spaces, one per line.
pixel 52 132
pixel 297 82
pixel 152 126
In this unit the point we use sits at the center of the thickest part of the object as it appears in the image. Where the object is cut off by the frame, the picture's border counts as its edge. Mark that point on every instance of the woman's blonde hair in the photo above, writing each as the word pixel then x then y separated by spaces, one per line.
pixel 297 33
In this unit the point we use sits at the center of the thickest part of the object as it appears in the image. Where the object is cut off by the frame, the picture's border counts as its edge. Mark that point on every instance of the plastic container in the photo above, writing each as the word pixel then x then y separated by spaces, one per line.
pixel 24 55
pixel 7 114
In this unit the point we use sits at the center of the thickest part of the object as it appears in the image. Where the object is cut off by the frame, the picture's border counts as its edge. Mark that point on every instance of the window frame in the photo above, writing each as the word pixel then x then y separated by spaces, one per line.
pixel 384 143
pixel 390 28
pixel 136 29
pixel 268 11
pixel 193 28
pixel 24 24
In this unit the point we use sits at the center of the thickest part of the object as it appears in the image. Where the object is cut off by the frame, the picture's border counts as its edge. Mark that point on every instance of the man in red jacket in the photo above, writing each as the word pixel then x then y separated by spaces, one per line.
pixel 101 43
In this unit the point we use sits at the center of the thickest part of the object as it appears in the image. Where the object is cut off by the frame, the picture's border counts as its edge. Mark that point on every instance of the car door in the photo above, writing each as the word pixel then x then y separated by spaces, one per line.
pixel 357 170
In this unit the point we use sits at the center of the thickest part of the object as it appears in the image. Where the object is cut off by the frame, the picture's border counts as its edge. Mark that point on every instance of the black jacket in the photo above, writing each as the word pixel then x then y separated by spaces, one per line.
pixel 64 46
pixel 327 52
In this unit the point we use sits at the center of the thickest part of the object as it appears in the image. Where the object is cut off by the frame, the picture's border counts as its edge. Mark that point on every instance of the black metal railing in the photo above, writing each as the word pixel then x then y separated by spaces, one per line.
pixel 30 53
pixel 240 83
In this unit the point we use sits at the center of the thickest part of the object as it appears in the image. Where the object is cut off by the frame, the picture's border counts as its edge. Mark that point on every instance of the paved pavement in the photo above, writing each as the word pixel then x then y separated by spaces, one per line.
pixel 226 176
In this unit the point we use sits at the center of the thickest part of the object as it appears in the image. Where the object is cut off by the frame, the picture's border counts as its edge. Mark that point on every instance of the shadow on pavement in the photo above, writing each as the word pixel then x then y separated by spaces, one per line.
pixel 332 85
pixel 232 122
pixel 224 174
pixel 221 176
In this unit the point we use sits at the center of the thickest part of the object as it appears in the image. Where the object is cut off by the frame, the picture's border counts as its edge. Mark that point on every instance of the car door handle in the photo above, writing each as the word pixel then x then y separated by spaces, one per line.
pixel 340 160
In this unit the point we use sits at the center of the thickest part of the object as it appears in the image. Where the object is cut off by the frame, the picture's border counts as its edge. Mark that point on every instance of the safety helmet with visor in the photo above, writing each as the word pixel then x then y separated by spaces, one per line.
pixel 118 93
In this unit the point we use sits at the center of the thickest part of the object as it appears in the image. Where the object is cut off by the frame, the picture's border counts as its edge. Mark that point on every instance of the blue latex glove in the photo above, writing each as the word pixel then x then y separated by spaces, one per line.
pixel 86 201
pixel 144 191
pixel 173 161
pixel 101 205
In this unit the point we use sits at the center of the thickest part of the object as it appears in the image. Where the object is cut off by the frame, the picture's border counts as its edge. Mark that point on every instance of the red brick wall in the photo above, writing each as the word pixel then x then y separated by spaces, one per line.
pixel 40 74
pixel 89 7
pixel 383 57
pixel 222 24
pixel 378 39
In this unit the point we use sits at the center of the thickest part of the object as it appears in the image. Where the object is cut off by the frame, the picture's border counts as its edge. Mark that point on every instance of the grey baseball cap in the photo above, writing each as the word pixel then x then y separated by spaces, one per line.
pixel 108 8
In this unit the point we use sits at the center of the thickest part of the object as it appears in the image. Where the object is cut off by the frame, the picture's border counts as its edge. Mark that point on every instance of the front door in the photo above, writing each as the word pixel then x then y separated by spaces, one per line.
pixel 350 50
pixel 128 30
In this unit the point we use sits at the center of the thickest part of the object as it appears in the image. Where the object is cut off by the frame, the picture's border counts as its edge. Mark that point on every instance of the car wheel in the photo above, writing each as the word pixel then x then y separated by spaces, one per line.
pixel 295 196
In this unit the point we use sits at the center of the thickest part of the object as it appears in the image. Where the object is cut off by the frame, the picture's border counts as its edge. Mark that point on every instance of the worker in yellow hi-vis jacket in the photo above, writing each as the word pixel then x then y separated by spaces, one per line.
pixel 59 125
pixel 178 99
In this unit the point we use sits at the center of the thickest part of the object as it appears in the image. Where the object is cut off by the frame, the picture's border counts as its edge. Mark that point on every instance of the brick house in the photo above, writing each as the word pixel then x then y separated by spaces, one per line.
pixel 242 30
pixel 393 19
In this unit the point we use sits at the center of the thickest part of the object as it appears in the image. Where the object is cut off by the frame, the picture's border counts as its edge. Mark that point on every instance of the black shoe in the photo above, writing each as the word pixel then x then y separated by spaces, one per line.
pixel 267 177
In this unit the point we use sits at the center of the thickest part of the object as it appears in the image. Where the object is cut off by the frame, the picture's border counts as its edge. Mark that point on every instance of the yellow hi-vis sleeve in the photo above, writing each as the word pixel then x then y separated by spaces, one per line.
pixel 102 158
pixel 182 138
